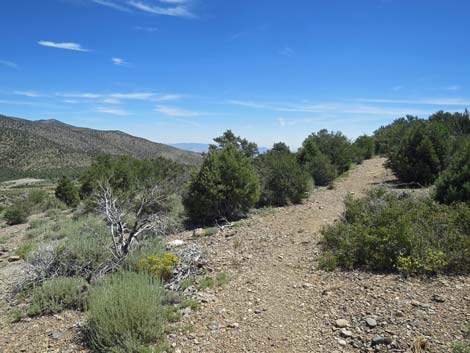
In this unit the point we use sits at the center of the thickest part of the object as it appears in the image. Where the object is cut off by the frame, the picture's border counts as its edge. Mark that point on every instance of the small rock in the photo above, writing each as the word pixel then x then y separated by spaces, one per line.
pixel 378 340
pixel 307 285
pixel 57 335
pixel 176 243
pixel 342 323
pixel 371 322
pixel 234 325
pixel 346 333
pixel 342 343
pixel 14 258
pixel 438 298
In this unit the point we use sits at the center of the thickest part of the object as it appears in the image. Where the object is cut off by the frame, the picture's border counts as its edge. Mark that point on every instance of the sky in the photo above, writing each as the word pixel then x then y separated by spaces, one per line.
pixel 271 70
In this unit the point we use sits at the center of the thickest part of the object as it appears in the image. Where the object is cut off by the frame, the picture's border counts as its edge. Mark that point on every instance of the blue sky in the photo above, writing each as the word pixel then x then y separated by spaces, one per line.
pixel 271 70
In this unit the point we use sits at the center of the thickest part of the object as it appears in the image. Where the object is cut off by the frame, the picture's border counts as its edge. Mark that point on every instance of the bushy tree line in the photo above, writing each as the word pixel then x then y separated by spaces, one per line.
pixel 428 151
pixel 234 177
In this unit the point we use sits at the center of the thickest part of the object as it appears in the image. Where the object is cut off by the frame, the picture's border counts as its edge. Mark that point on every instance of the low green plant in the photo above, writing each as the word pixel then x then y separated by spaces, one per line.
pixel 17 213
pixel 58 294
pixel 125 313
pixel 399 233
pixel 453 185
pixel 211 282
pixel 16 315
pixel 159 266
pixel 25 249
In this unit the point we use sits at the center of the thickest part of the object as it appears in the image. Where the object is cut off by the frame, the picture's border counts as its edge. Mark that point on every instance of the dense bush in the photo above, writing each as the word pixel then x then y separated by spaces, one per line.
pixel 126 174
pixel 226 186
pixel 67 192
pixel 387 138
pixel 336 147
pixel 58 294
pixel 283 180
pixel 17 213
pixel 326 155
pixel 364 148
pixel 125 313
pixel 390 232
pixel 321 169
pixel 421 155
pixel 249 149
pixel 454 183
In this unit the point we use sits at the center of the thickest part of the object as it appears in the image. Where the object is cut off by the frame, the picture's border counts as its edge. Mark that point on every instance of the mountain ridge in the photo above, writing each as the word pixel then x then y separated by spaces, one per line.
pixel 31 147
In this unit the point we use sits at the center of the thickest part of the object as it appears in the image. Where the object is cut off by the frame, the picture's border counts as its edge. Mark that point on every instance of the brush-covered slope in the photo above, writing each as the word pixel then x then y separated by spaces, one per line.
pixel 52 148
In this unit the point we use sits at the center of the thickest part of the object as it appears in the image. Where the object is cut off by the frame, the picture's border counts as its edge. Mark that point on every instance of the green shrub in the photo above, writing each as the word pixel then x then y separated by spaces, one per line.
pixel 159 266
pixel 226 186
pixel 421 155
pixel 71 247
pixel 125 313
pixel 58 294
pixel 17 213
pixel 67 192
pixel 283 181
pixel 364 148
pixel 321 169
pixel 390 232
pixel 454 183
pixel 37 196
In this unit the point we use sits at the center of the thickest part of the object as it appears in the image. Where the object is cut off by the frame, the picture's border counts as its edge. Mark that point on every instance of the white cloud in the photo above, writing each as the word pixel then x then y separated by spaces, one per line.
pixel 137 96
pixel 112 111
pixel 9 64
pixel 111 101
pixel 178 11
pixel 119 62
pixel 112 5
pixel 80 95
pixel 282 121
pixel 176 112
pixel 27 93
pixel 286 51
pixel 337 108
pixel 428 101
pixel 67 46
pixel 146 29
pixel 169 97
pixel 453 88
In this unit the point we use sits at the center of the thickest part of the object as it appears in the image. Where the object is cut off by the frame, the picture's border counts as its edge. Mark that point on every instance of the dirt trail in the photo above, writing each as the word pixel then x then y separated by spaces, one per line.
pixel 276 301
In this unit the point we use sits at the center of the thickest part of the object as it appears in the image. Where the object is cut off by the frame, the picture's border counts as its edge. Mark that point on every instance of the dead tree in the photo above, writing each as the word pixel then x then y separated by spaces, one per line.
pixel 130 219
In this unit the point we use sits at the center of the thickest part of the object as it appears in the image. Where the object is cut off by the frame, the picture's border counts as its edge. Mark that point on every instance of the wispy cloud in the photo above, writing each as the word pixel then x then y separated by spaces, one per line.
pixel 427 101
pixel 146 29
pixel 282 121
pixel 287 51
pixel 80 95
pixel 119 62
pixel 66 45
pixel 177 112
pixel 329 107
pixel 9 64
pixel 117 96
pixel 453 88
pixel 112 111
pixel 112 5
pixel 111 101
pixel 169 97
pixel 178 11
pixel 27 93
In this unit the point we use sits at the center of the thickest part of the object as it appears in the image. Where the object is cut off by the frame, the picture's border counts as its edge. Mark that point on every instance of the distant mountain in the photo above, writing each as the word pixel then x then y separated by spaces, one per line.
pixel 193 147
pixel 203 147
pixel 51 148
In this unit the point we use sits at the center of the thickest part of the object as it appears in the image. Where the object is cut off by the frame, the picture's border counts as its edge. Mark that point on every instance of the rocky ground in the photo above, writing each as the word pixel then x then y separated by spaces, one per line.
pixel 277 301
pixel 275 298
